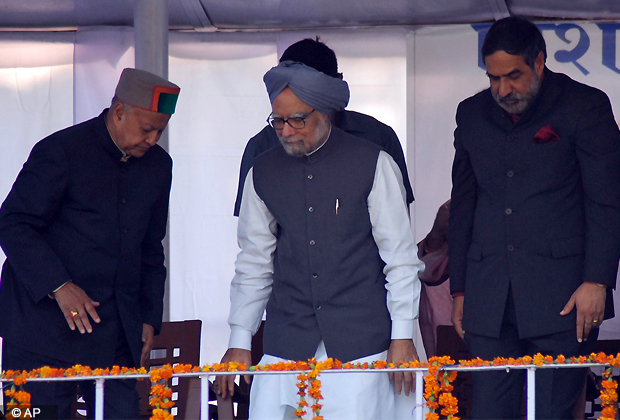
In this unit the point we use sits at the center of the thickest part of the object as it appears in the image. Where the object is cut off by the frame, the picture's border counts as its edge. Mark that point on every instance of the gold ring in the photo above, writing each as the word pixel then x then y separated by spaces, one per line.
pixel 594 321
pixel 73 314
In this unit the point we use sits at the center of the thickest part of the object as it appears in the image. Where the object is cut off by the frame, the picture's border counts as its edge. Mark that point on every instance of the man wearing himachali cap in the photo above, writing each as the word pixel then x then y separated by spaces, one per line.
pixel 82 227
pixel 327 249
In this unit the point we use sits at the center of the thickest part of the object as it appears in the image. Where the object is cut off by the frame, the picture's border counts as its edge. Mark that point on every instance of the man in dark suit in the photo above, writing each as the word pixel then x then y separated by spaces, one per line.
pixel 82 231
pixel 534 233
pixel 319 56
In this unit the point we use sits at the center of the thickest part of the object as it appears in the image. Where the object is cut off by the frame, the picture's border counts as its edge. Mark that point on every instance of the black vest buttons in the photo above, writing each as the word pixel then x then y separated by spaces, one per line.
pixel 508 211
pixel 510 174
pixel 123 200
pixel 511 248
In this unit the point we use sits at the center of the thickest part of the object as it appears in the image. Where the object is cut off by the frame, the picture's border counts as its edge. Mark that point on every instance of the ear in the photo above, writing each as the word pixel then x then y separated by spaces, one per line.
pixel 539 64
pixel 118 112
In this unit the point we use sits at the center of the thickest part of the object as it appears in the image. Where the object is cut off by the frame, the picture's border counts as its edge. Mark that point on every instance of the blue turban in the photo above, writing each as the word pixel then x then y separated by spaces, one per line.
pixel 324 93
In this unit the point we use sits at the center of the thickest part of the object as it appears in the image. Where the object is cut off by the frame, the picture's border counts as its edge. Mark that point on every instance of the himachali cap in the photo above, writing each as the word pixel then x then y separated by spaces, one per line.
pixel 145 90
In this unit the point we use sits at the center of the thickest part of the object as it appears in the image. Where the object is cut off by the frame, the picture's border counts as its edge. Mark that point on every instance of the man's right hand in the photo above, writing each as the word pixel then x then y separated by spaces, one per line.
pixel 76 306
pixel 227 382
pixel 457 315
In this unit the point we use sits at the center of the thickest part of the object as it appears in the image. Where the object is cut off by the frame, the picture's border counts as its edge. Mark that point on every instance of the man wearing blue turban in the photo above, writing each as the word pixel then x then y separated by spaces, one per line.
pixel 327 250
pixel 319 56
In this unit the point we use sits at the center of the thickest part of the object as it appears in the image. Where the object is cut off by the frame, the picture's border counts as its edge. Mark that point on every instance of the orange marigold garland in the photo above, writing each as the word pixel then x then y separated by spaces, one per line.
pixel 302 385
pixel 315 386
pixel 438 389
pixel 609 395
pixel 161 399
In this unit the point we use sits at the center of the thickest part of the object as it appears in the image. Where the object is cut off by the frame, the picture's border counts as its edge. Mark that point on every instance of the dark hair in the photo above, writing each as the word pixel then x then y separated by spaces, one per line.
pixel 516 36
pixel 313 53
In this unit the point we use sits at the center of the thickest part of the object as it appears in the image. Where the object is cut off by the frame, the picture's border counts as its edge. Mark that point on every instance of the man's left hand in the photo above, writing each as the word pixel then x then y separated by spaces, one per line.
pixel 589 299
pixel 402 351
pixel 148 332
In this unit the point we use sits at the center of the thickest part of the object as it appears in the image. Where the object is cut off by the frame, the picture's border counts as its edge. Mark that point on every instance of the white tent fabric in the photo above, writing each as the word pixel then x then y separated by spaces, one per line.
pixel 225 106
pixel 411 80
pixel 36 76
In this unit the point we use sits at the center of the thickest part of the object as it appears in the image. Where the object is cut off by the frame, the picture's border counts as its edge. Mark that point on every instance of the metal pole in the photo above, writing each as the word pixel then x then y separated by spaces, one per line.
pixel 99 399
pixel 204 397
pixel 419 392
pixel 531 393
pixel 151 36
pixel 150 21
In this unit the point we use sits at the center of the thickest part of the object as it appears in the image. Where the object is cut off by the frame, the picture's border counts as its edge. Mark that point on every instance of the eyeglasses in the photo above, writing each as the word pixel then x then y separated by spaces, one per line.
pixel 295 122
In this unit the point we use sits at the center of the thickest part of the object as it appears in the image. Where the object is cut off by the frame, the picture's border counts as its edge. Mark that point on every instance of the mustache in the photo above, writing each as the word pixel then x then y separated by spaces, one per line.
pixel 510 97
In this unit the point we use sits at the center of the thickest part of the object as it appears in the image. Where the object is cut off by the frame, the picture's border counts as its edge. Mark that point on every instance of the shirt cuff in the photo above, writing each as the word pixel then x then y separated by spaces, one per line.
pixel 402 329
pixel 51 295
pixel 240 338
pixel 598 284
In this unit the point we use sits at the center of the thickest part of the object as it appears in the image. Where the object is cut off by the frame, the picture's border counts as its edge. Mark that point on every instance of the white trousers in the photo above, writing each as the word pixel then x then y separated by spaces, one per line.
pixel 346 396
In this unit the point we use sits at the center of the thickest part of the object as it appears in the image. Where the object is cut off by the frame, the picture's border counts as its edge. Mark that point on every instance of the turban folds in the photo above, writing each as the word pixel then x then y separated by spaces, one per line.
pixel 324 93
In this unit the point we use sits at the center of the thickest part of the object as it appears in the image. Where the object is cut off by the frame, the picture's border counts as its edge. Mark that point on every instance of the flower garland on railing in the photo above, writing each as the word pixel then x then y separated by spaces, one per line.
pixel 18 399
pixel 437 390
pixel 161 394
pixel 309 382
pixel 609 395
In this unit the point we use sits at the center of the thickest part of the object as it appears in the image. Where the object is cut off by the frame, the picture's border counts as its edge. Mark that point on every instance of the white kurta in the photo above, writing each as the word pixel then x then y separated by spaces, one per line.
pixel 251 287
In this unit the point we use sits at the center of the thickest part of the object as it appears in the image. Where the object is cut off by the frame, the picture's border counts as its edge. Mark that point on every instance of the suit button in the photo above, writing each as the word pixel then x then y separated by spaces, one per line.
pixel 312 242
pixel 318 308
pixel 508 211
pixel 310 176
pixel 314 275
pixel 511 138
pixel 123 200
pixel 510 174
pixel 511 248
pixel 125 230
pixel 311 209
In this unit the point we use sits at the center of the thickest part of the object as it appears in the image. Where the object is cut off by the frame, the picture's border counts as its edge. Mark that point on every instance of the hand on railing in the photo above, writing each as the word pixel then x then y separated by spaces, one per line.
pixel 228 382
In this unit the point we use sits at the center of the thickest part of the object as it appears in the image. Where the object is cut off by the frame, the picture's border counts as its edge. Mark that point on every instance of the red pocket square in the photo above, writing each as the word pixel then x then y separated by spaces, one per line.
pixel 545 135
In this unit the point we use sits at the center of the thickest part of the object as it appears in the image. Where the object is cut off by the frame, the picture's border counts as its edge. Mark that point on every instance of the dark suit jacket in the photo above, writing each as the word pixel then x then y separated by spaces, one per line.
pixel 76 212
pixel 537 216
pixel 354 123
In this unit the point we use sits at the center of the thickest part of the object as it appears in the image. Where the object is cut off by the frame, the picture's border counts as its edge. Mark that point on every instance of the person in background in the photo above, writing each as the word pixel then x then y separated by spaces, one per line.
pixel 435 299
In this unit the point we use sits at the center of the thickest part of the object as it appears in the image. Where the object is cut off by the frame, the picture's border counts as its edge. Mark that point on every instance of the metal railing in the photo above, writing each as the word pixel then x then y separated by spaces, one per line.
pixel 419 382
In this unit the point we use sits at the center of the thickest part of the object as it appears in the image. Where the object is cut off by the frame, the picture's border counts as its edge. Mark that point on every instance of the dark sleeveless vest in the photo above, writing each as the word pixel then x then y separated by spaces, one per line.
pixel 328 281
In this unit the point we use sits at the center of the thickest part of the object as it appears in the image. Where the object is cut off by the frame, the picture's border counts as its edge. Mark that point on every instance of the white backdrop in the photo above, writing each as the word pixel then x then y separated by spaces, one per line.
pixel 225 106
pixel 411 80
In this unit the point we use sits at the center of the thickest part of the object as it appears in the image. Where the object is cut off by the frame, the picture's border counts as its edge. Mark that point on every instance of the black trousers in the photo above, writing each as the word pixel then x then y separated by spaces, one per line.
pixel 498 394
pixel 120 396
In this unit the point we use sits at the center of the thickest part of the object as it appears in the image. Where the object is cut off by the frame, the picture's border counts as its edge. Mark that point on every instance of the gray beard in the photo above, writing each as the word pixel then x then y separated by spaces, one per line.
pixel 299 150
pixel 523 101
